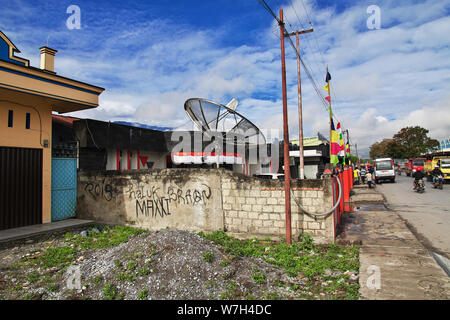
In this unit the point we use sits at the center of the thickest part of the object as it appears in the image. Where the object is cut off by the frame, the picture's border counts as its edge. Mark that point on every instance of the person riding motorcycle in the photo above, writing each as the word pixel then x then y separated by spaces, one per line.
pixel 418 175
pixel 436 173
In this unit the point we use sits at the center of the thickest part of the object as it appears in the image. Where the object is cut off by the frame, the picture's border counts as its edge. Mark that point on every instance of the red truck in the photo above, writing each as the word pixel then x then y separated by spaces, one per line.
pixel 413 164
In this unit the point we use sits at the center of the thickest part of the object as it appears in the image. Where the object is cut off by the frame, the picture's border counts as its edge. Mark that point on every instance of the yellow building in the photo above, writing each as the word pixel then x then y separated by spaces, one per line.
pixel 28 95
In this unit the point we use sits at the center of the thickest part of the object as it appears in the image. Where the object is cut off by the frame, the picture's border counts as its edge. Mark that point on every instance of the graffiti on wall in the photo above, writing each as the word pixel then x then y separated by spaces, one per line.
pixel 101 189
pixel 152 201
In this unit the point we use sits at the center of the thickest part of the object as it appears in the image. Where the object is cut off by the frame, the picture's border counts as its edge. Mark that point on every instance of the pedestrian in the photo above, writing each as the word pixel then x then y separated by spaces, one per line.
pixel 363 175
pixel 356 176
pixel 369 179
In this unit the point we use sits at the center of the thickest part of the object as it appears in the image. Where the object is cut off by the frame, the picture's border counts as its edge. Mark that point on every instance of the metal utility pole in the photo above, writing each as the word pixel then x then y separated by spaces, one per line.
pixel 300 114
pixel 287 171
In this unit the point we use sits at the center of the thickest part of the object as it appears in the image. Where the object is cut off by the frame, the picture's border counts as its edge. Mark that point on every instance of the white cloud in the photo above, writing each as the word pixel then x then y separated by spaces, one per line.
pixel 383 79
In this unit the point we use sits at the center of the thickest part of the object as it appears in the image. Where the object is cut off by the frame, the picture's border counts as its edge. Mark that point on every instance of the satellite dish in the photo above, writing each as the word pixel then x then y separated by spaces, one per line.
pixel 212 117
pixel 232 104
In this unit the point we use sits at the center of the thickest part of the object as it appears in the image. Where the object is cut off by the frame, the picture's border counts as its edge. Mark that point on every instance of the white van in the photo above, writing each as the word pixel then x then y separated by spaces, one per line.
pixel 384 170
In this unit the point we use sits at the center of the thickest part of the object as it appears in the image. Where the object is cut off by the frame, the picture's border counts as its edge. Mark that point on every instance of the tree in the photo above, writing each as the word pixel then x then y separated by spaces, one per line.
pixel 395 150
pixel 415 141
pixel 379 149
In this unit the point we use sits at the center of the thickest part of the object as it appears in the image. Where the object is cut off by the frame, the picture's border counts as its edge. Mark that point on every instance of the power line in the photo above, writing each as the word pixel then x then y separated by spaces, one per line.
pixel 305 67
pixel 304 7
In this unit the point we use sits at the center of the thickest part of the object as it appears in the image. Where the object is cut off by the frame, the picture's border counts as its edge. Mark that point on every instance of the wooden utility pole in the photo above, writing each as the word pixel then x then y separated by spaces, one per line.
pixel 300 113
pixel 287 171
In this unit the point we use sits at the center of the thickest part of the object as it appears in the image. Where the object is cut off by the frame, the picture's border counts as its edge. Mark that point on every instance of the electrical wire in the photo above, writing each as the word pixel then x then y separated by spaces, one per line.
pixel 338 201
pixel 38 113
pixel 305 67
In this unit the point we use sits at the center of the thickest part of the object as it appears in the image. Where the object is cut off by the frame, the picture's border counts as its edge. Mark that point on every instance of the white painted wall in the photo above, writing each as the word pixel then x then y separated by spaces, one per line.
pixel 159 159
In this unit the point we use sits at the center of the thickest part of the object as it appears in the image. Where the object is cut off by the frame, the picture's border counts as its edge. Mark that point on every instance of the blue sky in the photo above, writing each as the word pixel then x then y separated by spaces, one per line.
pixel 151 56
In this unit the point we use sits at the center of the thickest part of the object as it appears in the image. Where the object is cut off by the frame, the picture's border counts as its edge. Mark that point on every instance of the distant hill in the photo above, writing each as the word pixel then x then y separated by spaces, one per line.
pixel 144 126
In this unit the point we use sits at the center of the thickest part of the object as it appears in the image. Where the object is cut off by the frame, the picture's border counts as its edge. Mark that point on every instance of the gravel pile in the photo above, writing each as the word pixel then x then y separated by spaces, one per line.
pixel 174 264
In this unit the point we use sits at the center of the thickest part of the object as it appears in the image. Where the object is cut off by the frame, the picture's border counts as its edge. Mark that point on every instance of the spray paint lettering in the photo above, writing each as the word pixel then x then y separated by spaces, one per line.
pixel 102 189
pixel 152 202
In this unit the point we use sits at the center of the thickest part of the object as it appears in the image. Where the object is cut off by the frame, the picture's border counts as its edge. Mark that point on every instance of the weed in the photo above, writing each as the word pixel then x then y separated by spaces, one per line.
pixel 143 271
pixel 231 291
pixel 211 284
pixel 259 278
pixel 224 263
pixel 278 283
pixel 124 276
pixel 33 277
pixel 97 279
pixel 118 263
pixel 28 296
pixel 131 265
pixel 208 257
pixel 249 296
pixel 143 294
pixel 53 287
pixel 110 292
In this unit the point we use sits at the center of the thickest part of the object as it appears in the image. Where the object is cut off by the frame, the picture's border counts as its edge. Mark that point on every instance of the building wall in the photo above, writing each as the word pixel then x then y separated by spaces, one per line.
pixel 204 200
pixel 158 159
pixel 18 136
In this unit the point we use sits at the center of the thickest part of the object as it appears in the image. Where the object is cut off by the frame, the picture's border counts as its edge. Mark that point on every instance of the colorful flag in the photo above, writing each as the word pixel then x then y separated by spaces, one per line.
pixel 328 77
pixel 348 149
pixel 335 147
pixel 327 86
pixel 328 98
pixel 341 141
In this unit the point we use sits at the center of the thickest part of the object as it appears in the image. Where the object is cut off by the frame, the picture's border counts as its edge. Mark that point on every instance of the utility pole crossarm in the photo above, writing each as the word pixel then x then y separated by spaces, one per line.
pixel 300 32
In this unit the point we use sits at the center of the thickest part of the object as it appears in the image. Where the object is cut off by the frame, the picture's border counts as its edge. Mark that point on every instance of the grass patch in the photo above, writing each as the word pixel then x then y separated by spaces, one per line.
pixel 143 271
pixel 124 276
pixel 231 291
pixel 208 257
pixel 33 277
pixel 302 258
pixel 56 257
pixel 108 237
pixel 110 292
pixel 259 278
pixel 131 265
pixel 53 287
pixel 97 279
pixel 143 294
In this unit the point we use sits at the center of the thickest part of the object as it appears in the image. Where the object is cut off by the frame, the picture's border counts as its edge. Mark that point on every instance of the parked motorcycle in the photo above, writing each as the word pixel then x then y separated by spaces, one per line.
pixel 420 186
pixel 438 181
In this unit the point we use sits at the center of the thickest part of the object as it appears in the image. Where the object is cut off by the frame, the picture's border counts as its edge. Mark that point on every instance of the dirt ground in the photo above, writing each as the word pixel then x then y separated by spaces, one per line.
pixel 163 265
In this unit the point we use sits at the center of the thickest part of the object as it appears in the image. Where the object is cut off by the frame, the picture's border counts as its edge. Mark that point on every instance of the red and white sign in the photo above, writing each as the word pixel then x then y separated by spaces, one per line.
pixel 206 157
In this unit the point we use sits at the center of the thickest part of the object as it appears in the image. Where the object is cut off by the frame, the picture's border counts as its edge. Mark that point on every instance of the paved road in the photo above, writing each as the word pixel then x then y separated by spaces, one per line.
pixel 428 213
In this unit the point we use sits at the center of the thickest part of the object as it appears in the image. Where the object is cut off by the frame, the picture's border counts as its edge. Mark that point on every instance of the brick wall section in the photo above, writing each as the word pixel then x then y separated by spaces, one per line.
pixel 255 207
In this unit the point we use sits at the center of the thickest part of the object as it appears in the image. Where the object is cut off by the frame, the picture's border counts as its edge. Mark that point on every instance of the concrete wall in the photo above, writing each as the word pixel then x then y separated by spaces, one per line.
pixel 203 200
pixel 187 199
